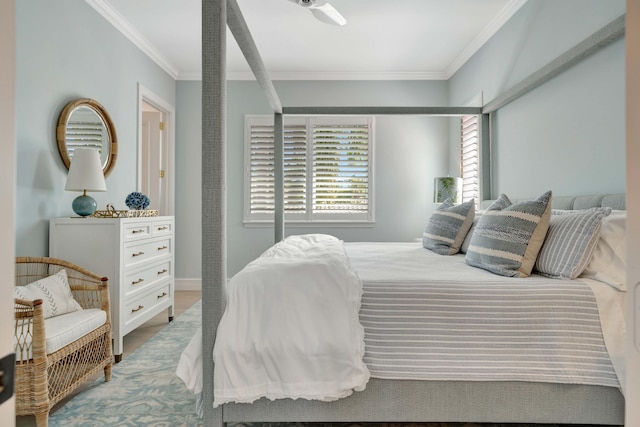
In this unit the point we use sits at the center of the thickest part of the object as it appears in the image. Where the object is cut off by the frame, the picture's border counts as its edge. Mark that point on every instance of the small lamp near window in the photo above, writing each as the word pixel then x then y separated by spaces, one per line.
pixel 447 187
pixel 85 174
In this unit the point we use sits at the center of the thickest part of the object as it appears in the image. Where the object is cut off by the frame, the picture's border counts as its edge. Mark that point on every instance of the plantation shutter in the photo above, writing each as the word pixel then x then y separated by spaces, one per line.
pixel 341 169
pixel 261 164
pixel 87 133
pixel 470 158
pixel 327 169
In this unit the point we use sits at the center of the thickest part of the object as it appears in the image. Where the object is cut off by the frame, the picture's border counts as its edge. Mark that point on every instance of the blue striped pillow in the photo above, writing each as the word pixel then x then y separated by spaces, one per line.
pixel 570 242
pixel 448 227
pixel 507 238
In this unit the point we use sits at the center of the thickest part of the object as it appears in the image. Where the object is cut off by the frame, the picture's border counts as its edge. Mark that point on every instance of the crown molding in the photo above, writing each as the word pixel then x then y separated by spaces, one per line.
pixel 121 24
pixel 505 14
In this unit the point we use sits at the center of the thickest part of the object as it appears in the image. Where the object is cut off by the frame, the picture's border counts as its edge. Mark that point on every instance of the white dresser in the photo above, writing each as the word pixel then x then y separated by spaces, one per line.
pixel 135 254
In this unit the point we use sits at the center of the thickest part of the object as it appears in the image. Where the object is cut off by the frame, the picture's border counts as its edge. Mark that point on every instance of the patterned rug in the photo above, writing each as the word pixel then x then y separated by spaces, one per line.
pixel 144 390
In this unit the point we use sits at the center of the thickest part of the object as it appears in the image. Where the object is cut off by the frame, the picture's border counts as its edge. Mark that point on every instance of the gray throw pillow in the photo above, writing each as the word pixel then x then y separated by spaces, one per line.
pixel 448 227
pixel 507 238
pixel 570 242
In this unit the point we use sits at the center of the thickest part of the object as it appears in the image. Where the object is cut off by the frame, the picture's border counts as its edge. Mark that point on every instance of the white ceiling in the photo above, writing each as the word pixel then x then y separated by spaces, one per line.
pixel 383 39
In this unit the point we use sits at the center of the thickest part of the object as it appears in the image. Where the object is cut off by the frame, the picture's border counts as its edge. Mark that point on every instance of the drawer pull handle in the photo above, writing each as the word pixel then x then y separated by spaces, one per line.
pixel 138 254
pixel 164 270
pixel 162 247
pixel 140 307
pixel 164 294
pixel 162 228
pixel 135 282
pixel 137 231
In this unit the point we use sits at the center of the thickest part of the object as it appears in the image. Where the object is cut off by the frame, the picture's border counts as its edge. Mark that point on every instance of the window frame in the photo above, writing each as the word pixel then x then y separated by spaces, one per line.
pixel 309 218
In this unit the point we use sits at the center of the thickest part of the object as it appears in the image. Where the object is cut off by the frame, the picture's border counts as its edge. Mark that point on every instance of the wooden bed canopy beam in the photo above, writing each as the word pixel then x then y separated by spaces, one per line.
pixel 241 33
pixel 601 38
pixel 383 111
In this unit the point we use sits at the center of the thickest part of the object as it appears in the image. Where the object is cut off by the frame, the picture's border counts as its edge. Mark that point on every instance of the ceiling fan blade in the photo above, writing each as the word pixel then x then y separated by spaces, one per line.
pixel 327 14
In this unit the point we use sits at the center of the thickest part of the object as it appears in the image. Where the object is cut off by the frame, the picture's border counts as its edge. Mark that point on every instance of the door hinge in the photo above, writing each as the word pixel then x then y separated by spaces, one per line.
pixel 7 367
pixel 162 126
pixel 161 173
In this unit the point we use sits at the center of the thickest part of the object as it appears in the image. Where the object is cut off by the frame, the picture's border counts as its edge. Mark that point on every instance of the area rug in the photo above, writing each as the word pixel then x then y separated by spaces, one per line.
pixel 144 390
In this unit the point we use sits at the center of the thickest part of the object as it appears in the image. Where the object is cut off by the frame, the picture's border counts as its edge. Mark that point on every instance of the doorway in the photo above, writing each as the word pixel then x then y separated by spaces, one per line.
pixel 156 151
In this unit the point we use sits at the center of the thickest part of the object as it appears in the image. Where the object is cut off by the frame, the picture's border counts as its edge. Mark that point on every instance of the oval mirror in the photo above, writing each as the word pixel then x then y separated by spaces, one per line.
pixel 84 123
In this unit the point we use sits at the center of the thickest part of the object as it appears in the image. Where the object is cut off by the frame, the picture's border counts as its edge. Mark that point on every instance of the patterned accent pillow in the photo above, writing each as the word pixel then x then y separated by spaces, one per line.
pixel 508 237
pixel 570 242
pixel 54 291
pixel 448 227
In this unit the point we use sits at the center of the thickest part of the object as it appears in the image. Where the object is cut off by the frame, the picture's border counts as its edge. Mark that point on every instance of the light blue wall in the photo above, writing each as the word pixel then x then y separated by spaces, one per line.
pixel 568 134
pixel 188 165
pixel 66 50
pixel 409 152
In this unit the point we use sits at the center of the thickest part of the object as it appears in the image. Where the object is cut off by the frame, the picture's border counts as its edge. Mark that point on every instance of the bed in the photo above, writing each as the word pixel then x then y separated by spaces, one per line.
pixel 474 346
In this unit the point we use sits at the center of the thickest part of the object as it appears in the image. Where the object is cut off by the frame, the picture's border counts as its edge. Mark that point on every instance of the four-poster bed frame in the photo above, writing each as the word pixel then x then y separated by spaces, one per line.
pixel 383 400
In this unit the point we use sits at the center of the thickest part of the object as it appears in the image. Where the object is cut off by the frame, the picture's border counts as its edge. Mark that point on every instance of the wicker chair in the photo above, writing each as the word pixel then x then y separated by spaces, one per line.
pixel 42 379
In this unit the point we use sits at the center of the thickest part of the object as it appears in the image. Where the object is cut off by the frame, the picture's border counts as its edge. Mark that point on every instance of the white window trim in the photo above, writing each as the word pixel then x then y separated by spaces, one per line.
pixel 309 218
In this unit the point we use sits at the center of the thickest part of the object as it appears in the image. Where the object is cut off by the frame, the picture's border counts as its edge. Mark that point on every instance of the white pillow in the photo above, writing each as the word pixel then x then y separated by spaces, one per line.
pixel 54 291
pixel 609 260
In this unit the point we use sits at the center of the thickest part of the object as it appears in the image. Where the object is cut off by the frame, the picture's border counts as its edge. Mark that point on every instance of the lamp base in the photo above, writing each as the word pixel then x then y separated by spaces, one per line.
pixel 84 205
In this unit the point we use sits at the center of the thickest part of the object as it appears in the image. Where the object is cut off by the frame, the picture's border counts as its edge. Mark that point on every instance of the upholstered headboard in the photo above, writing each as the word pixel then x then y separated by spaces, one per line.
pixel 613 201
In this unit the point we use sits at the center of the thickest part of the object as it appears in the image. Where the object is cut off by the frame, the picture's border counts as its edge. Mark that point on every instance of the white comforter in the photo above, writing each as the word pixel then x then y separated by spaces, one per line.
pixel 290 328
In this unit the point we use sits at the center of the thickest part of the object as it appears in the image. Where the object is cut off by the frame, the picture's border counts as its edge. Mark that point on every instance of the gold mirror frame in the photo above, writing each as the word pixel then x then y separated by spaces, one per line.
pixel 61 132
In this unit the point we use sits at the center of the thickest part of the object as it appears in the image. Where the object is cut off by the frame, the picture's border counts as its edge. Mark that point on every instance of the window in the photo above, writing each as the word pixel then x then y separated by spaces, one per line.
pixel 470 158
pixel 327 169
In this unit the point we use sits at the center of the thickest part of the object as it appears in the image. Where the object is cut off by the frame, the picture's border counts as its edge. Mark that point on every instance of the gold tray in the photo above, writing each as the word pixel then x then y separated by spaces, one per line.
pixel 127 213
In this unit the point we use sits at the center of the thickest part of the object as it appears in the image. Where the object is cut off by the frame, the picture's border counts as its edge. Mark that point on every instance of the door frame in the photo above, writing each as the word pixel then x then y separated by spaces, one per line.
pixel 8 188
pixel 168 114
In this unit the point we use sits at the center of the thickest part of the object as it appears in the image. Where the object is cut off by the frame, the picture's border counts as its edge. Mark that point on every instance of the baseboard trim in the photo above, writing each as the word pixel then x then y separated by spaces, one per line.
pixel 188 284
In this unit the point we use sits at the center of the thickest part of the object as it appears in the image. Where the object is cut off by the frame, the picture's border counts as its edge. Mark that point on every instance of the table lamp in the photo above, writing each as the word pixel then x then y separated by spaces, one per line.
pixel 85 174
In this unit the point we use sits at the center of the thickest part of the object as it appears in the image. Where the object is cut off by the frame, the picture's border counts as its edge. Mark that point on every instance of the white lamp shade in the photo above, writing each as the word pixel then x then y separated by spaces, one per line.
pixel 85 172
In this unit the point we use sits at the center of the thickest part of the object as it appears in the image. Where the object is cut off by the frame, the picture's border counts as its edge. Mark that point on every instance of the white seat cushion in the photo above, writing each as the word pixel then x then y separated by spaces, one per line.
pixel 65 329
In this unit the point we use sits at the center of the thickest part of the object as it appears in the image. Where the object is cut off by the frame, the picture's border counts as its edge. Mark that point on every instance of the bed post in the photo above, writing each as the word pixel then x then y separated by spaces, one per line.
pixel 278 179
pixel 214 243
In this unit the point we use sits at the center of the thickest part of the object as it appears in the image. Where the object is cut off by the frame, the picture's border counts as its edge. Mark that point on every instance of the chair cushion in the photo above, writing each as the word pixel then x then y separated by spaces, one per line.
pixel 54 291
pixel 64 329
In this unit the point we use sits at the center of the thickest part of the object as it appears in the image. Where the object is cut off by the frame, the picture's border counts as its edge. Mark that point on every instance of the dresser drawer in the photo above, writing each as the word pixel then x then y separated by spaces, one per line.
pixel 140 306
pixel 138 252
pixel 162 228
pixel 137 230
pixel 138 280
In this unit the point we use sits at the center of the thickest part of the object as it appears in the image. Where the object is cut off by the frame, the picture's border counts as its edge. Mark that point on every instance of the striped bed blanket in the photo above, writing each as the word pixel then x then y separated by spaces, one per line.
pixel 432 317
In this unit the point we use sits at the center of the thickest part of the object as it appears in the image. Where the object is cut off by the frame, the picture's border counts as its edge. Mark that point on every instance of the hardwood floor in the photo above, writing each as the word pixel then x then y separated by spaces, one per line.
pixel 183 301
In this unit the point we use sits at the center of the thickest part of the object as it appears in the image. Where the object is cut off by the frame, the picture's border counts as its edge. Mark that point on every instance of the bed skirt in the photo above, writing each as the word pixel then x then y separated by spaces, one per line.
pixel 448 401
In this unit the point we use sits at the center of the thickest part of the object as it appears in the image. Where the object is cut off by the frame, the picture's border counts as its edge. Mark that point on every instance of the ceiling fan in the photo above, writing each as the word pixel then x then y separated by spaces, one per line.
pixel 323 11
